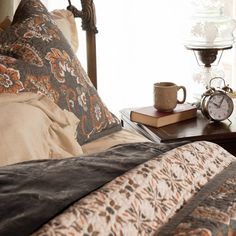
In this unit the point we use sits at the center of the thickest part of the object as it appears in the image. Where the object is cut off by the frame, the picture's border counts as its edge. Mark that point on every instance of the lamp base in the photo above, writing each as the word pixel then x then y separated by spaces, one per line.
pixel 208 56
pixel 202 78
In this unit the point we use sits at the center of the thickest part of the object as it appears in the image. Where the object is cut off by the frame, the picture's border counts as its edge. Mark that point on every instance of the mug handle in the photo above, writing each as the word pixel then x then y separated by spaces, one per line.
pixel 184 94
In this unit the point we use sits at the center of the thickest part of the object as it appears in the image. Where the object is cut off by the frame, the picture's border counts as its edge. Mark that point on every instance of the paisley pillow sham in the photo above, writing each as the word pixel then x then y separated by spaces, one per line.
pixel 65 22
pixel 36 57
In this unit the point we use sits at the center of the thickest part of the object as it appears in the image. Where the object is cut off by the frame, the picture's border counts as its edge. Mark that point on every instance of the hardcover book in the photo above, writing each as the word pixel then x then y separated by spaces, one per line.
pixel 152 117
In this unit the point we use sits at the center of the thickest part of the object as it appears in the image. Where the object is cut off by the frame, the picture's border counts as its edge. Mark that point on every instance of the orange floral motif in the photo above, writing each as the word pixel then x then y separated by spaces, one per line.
pixel 70 97
pixel 111 119
pixel 25 52
pixel 38 29
pixel 82 98
pixel 7 60
pixel 41 84
pixel 81 75
pixel 211 213
pixel 10 80
pixel 52 32
pixel 97 114
pixel 60 64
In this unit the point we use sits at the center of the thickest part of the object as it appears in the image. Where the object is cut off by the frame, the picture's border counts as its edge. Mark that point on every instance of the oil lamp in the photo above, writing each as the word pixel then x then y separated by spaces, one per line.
pixel 209 33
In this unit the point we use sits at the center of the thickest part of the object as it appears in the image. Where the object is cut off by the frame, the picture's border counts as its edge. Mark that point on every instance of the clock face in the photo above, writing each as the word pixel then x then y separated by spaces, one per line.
pixel 220 106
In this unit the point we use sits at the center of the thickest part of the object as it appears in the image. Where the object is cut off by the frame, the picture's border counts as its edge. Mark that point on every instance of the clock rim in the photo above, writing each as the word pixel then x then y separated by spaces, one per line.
pixel 205 101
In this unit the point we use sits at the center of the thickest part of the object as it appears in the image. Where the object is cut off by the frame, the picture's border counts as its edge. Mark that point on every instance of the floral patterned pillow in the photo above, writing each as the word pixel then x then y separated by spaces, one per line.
pixel 36 57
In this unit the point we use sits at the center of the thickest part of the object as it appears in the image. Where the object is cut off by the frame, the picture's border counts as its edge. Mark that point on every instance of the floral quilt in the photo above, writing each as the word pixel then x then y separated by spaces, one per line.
pixel 144 199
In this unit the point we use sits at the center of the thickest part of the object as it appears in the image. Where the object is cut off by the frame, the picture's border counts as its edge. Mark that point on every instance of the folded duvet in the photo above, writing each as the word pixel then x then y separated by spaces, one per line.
pixel 31 193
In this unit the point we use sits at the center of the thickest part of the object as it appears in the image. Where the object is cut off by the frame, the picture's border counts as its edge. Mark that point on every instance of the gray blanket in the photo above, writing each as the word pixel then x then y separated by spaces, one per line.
pixel 32 193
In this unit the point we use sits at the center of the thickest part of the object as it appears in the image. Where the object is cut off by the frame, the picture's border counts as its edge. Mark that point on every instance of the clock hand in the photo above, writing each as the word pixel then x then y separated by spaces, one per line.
pixel 221 101
pixel 216 104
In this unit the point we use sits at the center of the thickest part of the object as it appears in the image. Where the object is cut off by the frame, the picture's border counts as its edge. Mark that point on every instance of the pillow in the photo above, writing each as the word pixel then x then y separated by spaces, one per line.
pixel 48 132
pixel 36 57
pixel 66 23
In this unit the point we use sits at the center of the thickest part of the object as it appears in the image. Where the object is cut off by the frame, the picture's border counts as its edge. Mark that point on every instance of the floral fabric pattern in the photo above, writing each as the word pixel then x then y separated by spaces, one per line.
pixel 60 64
pixel 144 198
pixel 10 80
pixel 35 57
pixel 216 215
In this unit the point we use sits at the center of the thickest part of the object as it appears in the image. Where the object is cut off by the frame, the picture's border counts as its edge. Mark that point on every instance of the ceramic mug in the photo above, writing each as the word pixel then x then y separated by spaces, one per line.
pixel 165 96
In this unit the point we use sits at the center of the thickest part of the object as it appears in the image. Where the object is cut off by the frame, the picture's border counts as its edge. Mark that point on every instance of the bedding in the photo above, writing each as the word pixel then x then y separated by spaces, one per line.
pixel 120 137
pixel 55 127
pixel 33 127
pixel 65 21
pixel 49 186
pixel 211 211
pixel 144 199
pixel 36 57
pixel 133 189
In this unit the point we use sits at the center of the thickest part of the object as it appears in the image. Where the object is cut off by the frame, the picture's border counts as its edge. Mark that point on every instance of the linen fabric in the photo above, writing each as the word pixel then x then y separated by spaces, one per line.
pixel 33 127
pixel 36 57
pixel 66 23
pixel 110 140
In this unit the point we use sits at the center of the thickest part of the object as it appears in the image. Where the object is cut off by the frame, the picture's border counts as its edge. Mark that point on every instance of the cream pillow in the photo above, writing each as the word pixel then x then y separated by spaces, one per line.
pixel 33 127
pixel 66 23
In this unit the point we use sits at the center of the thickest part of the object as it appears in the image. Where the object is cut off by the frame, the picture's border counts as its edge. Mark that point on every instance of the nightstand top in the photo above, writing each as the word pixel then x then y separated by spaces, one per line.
pixel 198 128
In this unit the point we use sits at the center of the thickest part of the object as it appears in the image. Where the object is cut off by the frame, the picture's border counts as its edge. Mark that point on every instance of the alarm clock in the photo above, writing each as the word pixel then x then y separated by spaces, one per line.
pixel 215 103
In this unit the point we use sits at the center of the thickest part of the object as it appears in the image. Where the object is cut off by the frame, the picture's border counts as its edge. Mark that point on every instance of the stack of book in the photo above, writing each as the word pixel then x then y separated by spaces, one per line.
pixel 152 117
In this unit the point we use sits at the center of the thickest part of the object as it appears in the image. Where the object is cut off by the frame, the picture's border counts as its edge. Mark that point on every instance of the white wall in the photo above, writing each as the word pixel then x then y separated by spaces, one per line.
pixel 140 43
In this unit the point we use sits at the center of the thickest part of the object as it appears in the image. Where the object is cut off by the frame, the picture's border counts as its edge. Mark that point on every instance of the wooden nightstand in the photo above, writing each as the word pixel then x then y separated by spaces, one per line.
pixel 195 129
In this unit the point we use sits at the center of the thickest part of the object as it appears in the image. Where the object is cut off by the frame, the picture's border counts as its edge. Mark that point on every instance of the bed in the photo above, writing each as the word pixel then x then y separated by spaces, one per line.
pixel 67 167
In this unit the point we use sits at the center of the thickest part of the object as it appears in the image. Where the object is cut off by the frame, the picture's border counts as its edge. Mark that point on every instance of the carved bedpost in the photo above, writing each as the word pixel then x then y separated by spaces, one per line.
pixel 88 16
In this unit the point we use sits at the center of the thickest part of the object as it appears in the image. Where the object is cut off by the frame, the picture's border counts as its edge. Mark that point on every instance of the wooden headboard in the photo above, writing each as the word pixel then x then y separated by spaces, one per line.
pixel 88 16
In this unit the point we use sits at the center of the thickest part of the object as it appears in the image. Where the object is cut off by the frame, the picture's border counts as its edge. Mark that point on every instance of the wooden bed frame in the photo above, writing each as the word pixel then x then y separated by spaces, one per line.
pixel 88 17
